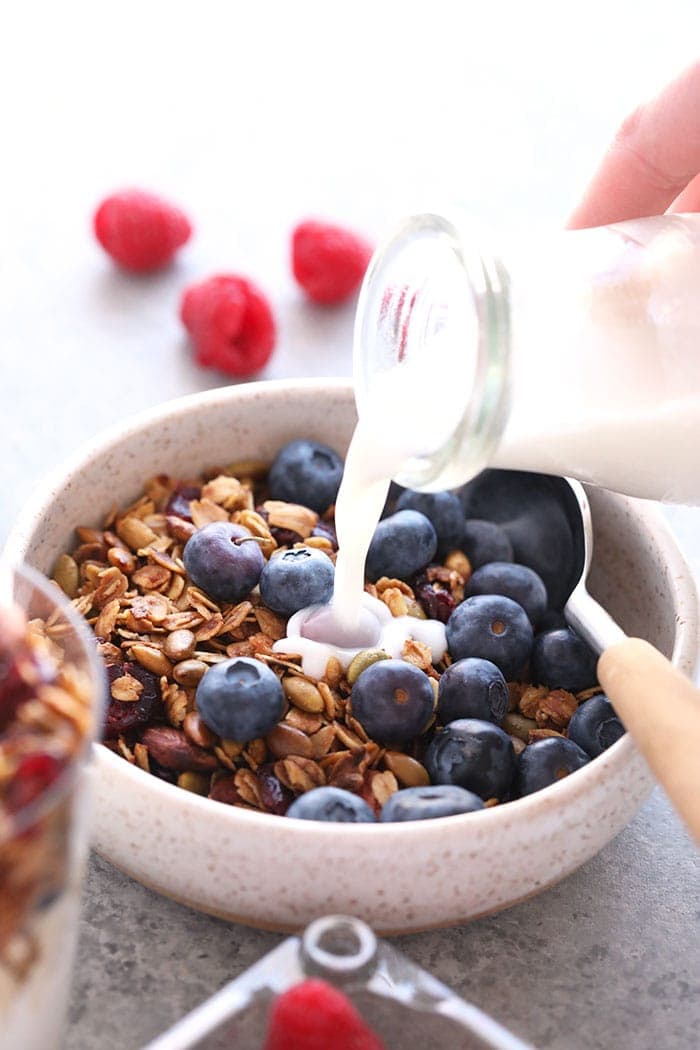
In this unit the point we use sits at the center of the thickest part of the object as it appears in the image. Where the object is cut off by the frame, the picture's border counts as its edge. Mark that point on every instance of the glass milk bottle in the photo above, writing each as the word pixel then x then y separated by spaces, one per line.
pixel 576 353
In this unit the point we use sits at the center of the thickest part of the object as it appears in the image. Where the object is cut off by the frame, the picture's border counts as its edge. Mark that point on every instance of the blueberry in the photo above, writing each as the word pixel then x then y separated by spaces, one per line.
pixel 475 755
pixel 223 560
pixel 518 582
pixel 562 660
pixel 529 509
pixel 594 726
pixel 485 541
pixel 442 509
pixel 545 762
pixel 472 688
pixel 296 578
pixel 425 803
pixel 334 804
pixel 402 545
pixel 552 620
pixel 240 699
pixel 494 628
pixel 393 700
pixel 306 472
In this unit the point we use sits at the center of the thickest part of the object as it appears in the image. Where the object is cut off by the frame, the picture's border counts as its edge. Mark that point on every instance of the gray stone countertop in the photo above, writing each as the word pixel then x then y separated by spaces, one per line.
pixel 253 124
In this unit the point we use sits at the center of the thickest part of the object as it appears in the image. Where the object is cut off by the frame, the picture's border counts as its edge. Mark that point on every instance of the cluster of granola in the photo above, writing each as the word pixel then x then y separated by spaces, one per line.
pixel 45 718
pixel 159 634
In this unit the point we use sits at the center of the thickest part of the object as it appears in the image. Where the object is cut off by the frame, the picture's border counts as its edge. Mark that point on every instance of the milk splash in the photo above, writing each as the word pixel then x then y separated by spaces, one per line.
pixel 309 634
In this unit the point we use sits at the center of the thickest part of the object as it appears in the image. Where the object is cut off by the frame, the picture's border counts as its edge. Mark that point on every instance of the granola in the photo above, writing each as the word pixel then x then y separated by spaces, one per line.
pixel 159 634
pixel 45 720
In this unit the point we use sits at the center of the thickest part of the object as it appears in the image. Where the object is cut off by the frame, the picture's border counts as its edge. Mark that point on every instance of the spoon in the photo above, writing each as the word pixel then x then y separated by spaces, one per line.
pixel 583 613
pixel 658 705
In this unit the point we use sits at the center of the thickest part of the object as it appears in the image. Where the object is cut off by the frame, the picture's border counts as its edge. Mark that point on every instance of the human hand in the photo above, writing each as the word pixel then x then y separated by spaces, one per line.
pixel 653 163
pixel 653 166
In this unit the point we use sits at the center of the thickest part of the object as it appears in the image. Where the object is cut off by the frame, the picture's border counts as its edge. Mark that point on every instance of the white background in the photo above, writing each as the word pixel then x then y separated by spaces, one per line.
pixel 253 116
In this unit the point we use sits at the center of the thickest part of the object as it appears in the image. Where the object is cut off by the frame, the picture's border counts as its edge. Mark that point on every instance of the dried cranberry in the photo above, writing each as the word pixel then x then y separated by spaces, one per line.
pixel 122 716
pixel 436 602
pixel 275 797
pixel 282 537
pixel 169 775
pixel 34 774
pixel 285 537
pixel 179 502
pixel 327 531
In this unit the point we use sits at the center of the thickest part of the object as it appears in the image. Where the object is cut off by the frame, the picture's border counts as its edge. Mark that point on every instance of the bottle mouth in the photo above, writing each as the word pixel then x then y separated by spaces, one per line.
pixel 431 347
pixel 339 946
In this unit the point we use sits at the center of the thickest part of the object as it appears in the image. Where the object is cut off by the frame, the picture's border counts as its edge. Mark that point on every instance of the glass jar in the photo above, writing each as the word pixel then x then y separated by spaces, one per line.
pixel 403 1004
pixel 576 353
pixel 44 834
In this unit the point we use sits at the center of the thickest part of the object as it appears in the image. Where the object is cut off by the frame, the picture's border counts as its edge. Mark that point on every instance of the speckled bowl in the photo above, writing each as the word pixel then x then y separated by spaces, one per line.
pixel 279 873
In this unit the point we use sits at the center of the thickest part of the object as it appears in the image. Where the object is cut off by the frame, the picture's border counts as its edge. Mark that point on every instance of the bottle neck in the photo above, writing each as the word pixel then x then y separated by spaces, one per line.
pixel 431 351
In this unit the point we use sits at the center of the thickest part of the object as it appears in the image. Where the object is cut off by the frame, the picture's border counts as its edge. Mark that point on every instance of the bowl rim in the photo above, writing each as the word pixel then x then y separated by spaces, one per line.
pixel 556 796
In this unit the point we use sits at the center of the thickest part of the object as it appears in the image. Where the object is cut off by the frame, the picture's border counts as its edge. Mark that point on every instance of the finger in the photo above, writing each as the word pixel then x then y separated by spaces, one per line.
pixel 653 157
pixel 689 199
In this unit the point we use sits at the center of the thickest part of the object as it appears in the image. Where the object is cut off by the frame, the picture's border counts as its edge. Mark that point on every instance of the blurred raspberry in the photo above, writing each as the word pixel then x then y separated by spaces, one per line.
pixel 32 777
pixel 328 261
pixel 230 323
pixel 314 1015
pixel 139 230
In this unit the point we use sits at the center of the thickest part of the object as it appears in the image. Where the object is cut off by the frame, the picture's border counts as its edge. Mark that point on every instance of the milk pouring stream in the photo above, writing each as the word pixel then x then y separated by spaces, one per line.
pixel 577 355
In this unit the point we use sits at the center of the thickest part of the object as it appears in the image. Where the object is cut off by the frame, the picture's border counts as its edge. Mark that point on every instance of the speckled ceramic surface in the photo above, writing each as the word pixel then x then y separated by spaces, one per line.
pixel 280 873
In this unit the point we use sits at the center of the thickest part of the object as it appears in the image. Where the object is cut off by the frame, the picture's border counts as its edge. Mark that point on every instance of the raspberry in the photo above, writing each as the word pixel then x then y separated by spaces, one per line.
pixel 328 261
pixel 230 323
pixel 314 1015
pixel 140 231
pixel 34 774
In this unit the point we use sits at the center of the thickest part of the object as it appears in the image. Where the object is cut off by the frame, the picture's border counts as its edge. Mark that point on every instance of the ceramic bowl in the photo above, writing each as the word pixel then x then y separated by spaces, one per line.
pixel 279 873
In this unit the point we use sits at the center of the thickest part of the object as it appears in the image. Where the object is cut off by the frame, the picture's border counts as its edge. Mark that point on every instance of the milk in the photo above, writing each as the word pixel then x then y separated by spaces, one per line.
pixel 384 439
pixel 387 632
pixel 605 362
pixel 652 455
pixel 355 621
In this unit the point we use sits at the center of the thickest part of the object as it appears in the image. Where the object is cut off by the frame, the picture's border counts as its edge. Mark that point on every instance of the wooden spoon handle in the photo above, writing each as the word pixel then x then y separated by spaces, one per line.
pixel 661 709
